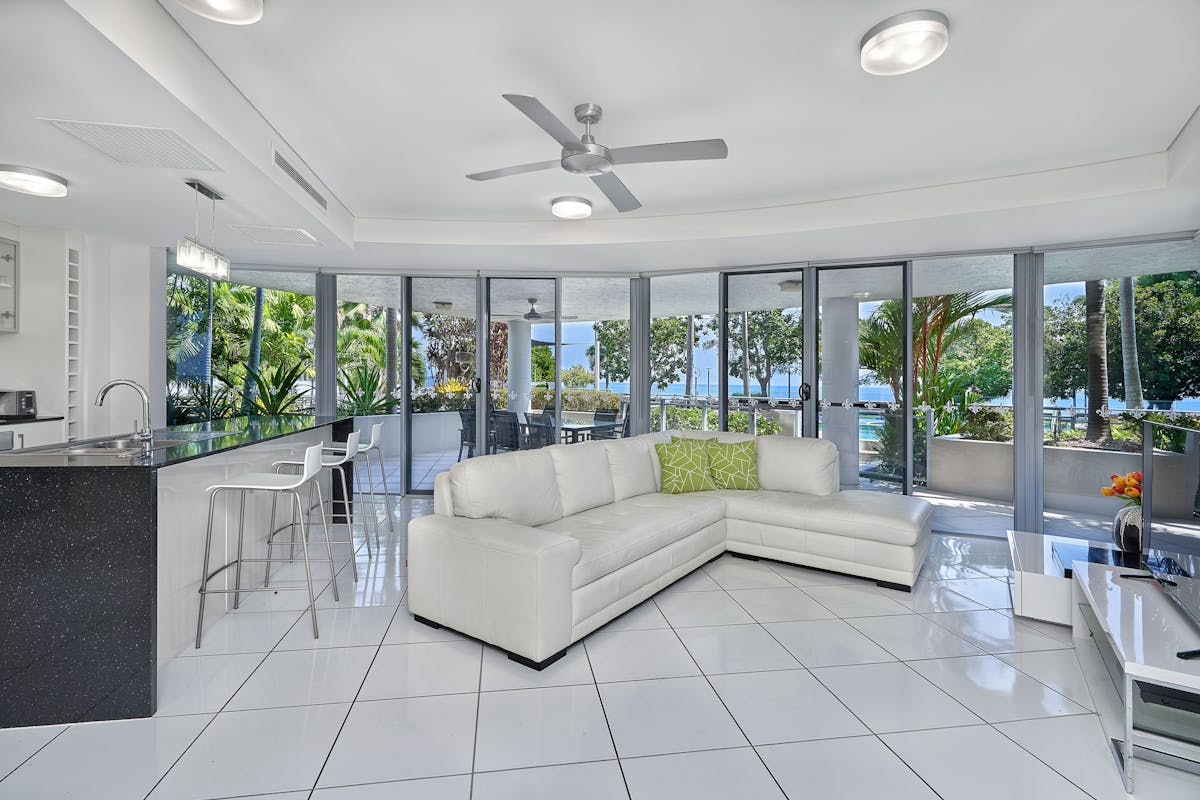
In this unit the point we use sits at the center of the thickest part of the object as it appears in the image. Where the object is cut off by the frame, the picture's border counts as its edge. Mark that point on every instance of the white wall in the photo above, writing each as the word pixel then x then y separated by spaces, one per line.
pixel 123 318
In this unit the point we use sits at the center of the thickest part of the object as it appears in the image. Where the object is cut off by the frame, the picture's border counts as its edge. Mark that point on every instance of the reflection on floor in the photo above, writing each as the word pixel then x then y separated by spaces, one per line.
pixel 745 679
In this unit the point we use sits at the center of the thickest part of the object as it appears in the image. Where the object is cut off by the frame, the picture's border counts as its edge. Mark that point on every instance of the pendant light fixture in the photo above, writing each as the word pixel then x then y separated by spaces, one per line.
pixel 191 253
pixel 905 43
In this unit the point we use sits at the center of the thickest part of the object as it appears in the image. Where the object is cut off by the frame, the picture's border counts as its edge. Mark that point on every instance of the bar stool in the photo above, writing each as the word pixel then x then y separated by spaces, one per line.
pixel 333 463
pixel 276 484
pixel 374 446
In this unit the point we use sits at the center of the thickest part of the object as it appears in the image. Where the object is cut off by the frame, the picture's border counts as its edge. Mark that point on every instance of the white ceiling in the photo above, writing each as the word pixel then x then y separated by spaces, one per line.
pixel 1044 122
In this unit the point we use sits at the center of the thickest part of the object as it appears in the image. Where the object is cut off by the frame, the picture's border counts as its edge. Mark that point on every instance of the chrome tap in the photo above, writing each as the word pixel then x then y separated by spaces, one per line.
pixel 146 434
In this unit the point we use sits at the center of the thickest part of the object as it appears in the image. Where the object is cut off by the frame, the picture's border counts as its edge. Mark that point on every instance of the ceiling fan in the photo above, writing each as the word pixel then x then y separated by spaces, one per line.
pixel 532 315
pixel 582 156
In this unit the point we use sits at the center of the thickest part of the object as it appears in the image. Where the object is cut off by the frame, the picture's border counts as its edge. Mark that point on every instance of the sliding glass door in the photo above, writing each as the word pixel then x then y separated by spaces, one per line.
pixel 523 364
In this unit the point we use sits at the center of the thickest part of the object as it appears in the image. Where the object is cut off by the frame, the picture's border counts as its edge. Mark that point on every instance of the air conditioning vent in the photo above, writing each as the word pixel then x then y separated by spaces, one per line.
pixel 300 180
pixel 266 234
pixel 137 144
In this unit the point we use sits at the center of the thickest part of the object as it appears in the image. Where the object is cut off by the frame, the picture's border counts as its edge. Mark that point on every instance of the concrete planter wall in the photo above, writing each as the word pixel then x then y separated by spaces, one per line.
pixel 1073 475
pixel 436 432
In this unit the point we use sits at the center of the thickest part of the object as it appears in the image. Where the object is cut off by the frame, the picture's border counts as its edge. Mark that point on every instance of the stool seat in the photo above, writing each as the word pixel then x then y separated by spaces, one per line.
pixel 267 481
pixel 326 461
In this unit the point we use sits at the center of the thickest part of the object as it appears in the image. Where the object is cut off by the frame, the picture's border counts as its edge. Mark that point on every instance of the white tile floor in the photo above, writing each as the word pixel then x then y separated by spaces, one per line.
pixel 746 679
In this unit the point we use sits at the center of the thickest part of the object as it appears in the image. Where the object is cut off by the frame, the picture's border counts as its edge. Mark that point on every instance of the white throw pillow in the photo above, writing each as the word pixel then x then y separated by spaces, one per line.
pixel 584 478
pixel 788 464
pixel 520 487
pixel 633 470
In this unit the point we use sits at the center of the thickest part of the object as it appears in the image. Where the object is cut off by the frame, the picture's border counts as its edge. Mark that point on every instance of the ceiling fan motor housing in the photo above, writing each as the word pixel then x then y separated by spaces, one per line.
pixel 588 158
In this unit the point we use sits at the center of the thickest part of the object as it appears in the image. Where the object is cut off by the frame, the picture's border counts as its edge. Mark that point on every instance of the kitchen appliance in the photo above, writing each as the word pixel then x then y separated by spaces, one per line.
pixel 18 404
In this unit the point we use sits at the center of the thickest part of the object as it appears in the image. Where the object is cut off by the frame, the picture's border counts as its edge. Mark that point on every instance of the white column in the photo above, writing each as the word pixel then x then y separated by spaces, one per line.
pixel 839 380
pixel 520 365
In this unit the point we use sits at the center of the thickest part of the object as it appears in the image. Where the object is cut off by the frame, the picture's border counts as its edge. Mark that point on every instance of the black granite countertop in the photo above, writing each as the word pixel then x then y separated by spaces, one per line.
pixel 27 420
pixel 204 439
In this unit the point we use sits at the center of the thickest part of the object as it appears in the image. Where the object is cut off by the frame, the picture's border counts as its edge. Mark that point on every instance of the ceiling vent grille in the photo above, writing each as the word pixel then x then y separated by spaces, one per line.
pixel 266 234
pixel 137 144
pixel 300 180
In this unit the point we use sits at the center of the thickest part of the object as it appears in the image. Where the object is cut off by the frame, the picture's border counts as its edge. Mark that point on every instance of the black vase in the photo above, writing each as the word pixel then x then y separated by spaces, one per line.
pixel 1127 529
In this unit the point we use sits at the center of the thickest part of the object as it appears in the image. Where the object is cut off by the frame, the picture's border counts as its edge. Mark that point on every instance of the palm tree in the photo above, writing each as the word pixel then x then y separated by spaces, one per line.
pixel 1098 428
pixel 1129 353
pixel 255 355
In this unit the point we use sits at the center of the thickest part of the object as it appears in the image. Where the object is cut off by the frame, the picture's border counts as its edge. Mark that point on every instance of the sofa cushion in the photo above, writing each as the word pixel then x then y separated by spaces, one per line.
pixel 521 487
pixel 651 439
pixel 733 465
pixel 788 464
pixel 618 534
pixel 684 464
pixel 633 470
pixel 584 477
pixel 857 514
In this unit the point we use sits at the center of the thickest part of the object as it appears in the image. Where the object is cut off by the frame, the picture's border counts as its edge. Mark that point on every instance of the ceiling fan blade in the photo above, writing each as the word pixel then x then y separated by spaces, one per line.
pixel 541 116
pixel 517 170
pixel 616 192
pixel 670 151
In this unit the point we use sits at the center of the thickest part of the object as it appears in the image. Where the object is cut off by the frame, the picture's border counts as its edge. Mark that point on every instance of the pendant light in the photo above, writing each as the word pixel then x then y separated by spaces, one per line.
pixel 191 253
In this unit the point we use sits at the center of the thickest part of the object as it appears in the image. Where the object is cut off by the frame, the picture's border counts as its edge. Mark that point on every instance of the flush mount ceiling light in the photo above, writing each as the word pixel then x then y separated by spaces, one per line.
pixel 571 207
pixel 28 180
pixel 231 12
pixel 191 253
pixel 905 42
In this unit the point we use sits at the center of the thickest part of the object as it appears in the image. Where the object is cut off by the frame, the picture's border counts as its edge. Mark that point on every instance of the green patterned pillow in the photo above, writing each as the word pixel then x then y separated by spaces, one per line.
pixel 684 466
pixel 733 465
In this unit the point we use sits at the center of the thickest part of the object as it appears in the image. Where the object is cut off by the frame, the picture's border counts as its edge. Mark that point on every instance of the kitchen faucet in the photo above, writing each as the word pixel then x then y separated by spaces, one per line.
pixel 146 434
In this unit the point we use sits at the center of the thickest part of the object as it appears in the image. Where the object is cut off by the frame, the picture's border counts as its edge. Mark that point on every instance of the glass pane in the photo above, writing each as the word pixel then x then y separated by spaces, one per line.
pixel 368 358
pixel 240 347
pixel 442 427
pixel 1121 326
pixel 862 377
pixel 521 364
pixel 962 398
pixel 684 376
pixel 595 342
pixel 765 342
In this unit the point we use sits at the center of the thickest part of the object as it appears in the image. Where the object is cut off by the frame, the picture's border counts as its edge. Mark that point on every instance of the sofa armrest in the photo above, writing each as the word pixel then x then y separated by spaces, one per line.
pixel 505 583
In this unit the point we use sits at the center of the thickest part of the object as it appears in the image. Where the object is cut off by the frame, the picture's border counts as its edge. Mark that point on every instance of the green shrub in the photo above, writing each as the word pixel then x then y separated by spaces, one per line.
pixel 691 419
pixel 987 425
pixel 574 399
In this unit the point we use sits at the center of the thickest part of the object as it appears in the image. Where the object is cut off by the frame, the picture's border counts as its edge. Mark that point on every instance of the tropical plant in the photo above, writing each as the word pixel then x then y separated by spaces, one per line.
pixel 763 344
pixel 199 401
pixel 363 392
pixel 276 388
pixel 576 376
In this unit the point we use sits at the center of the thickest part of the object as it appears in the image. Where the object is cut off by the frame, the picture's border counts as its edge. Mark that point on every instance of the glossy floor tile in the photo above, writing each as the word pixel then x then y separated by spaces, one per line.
pixel 749 679
pixel 843 769
pixel 598 780
pixel 953 761
pixel 712 775
pixel 668 716
pixel 785 706
pixel 540 727
pixel 735 648
pixel 891 697
pixel 988 592
pixel 110 761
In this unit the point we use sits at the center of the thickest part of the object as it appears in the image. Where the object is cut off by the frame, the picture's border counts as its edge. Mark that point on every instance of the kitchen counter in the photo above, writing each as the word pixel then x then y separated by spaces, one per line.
pixel 27 420
pixel 100 560
pixel 206 438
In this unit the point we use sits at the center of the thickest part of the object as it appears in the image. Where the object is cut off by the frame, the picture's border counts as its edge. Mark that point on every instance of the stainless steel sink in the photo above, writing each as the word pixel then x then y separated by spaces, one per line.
pixel 127 446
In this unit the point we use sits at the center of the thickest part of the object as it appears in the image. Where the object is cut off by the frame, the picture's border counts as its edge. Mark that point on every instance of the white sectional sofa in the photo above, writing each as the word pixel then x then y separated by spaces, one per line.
pixel 531 551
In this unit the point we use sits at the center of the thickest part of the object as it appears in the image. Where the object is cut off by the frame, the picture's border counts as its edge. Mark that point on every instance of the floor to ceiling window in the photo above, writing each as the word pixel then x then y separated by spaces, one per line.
pixel 1121 326
pixel 441 425
pixel 595 357
pixel 962 391
pixel 862 383
pixel 684 372
pixel 239 348
pixel 522 364
pixel 764 341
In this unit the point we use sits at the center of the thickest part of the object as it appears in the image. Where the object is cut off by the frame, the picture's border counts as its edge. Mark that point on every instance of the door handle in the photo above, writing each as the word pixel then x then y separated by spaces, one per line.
pixel 805 391
pixel 477 385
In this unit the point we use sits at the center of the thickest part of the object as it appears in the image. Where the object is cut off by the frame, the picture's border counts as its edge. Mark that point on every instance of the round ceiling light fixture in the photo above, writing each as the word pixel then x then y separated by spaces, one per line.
pixel 28 180
pixel 905 43
pixel 571 207
pixel 231 12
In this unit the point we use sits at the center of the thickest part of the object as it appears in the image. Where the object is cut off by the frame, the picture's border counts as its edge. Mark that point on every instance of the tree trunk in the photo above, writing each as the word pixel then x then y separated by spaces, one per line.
pixel 1098 429
pixel 1130 368
pixel 745 354
pixel 689 387
pixel 252 359
pixel 391 373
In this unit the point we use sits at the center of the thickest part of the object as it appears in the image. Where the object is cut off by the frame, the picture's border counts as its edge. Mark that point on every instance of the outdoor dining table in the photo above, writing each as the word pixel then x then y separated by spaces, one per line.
pixel 572 431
